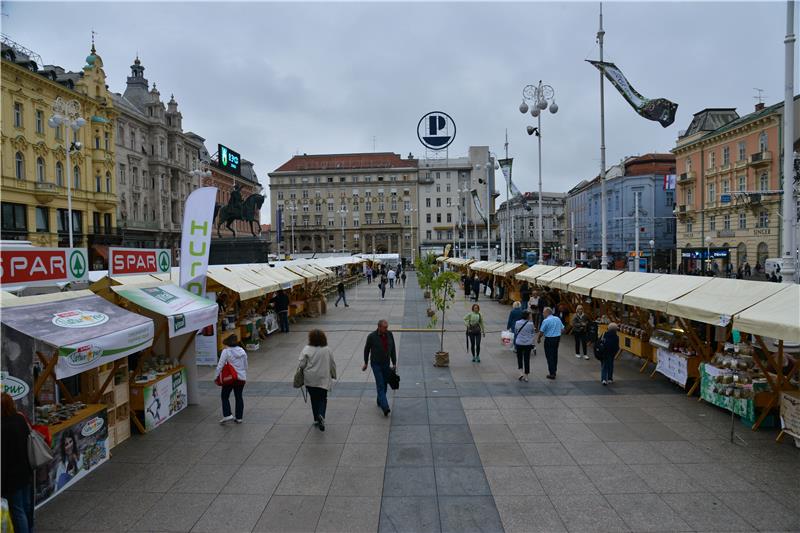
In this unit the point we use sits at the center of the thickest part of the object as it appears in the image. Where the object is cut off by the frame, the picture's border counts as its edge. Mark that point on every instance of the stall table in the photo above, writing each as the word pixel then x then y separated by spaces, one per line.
pixel 157 400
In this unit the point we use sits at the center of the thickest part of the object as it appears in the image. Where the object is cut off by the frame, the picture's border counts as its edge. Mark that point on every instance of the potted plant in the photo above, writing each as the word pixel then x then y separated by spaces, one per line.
pixel 443 293
pixel 425 273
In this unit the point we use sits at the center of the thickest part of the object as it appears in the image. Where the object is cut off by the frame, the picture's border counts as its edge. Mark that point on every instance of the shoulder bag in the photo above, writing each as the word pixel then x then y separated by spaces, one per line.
pixel 39 453
pixel 298 381
pixel 474 328
pixel 227 376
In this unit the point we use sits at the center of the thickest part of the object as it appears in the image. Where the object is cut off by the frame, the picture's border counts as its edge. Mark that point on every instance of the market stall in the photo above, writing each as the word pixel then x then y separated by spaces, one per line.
pixel 530 274
pixel 505 279
pixel 562 283
pixel 65 358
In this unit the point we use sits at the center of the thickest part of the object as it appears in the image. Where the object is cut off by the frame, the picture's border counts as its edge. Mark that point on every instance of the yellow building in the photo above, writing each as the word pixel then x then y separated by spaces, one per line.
pixel 34 158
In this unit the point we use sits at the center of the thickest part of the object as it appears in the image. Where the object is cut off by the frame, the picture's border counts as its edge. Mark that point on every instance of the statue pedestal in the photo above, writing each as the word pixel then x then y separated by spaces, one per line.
pixel 230 251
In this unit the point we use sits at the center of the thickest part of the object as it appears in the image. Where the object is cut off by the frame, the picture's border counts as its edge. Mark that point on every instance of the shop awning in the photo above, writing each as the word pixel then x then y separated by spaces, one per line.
pixel 507 269
pixel 304 272
pixel 662 290
pixel 251 276
pixel 440 259
pixel 573 275
pixel 287 278
pixel 584 285
pixel 492 266
pixel 87 331
pixel 615 289
pixel 232 282
pixel 477 265
pixel 777 316
pixel 548 278
pixel 185 311
pixel 534 272
pixel 718 300
pixel 320 269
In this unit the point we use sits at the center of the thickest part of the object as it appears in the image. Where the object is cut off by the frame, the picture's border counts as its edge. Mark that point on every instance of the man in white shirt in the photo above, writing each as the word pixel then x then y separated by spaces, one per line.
pixel 392 276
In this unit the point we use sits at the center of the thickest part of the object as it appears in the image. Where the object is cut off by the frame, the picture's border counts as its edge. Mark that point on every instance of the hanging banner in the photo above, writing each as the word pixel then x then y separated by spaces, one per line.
pixel 669 182
pixel 279 222
pixel 476 201
pixel 198 222
pixel 659 109
pixel 29 266
pixel 505 166
pixel 128 261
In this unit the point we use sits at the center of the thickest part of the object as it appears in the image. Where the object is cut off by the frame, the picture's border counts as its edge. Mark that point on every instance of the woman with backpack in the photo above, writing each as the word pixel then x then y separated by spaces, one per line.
pixel 524 334
pixel 235 356
pixel 606 350
pixel 475 330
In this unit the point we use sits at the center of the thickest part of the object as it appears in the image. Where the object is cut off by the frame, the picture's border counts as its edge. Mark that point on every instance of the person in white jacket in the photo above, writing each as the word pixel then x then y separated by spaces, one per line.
pixel 319 371
pixel 237 357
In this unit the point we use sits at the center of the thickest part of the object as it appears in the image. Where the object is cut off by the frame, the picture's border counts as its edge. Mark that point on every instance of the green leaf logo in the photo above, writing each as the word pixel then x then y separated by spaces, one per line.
pixel 77 264
pixel 163 261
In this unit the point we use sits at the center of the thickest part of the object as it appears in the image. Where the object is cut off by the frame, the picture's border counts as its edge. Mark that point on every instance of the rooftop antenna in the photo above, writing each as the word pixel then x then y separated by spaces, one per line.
pixel 760 95
pixel 93 34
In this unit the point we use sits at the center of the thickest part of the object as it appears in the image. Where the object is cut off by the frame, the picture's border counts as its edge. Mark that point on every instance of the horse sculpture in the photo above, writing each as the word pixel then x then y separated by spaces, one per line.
pixel 246 212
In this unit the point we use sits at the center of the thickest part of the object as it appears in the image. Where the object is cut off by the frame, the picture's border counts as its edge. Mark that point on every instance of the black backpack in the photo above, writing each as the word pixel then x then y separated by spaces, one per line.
pixel 599 348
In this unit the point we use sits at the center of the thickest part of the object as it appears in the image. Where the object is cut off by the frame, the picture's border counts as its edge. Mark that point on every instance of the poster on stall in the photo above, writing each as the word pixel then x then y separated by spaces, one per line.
pixel 164 398
pixel 673 365
pixel 77 450
pixel 17 375
pixel 206 341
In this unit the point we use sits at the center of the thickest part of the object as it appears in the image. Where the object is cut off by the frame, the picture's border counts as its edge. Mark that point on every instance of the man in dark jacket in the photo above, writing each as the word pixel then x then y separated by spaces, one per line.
pixel 340 292
pixel 610 347
pixel 476 287
pixel 379 352
pixel 281 303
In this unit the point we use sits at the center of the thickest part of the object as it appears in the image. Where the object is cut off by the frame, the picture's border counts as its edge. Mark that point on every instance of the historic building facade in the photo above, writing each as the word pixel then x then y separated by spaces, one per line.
pixel 525 216
pixel 156 164
pixel 447 210
pixel 728 189
pixel 361 202
pixel 34 162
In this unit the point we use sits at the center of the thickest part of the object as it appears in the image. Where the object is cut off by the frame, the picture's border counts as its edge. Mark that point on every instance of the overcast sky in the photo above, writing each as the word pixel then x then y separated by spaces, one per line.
pixel 274 79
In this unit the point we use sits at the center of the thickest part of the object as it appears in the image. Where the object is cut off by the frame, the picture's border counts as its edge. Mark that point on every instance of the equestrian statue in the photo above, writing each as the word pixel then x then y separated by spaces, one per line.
pixel 238 209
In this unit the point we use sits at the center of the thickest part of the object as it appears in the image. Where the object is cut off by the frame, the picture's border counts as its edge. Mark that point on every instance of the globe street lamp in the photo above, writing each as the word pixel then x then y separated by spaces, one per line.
pixel 67 113
pixel 538 96
pixel 708 252
pixel 343 214
pixel 652 255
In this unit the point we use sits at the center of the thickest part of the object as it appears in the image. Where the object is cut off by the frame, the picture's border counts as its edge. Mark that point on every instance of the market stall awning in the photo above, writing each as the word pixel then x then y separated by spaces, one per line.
pixel 185 311
pixel 662 290
pixel 507 269
pixel 491 266
pixel 232 282
pixel 548 278
pixel 441 259
pixel 777 316
pixel 10 300
pixel 573 275
pixel 87 331
pixel 304 272
pixel 718 300
pixel 324 272
pixel 584 285
pixel 287 278
pixel 254 277
pixel 534 272
pixel 615 289
pixel 477 265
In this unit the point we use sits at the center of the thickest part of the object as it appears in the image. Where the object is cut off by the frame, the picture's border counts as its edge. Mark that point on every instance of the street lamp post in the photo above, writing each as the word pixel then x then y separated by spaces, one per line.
pixel 293 208
pixel 652 255
pixel 708 253
pixel 410 213
pixel 539 96
pixel 343 214
pixel 67 113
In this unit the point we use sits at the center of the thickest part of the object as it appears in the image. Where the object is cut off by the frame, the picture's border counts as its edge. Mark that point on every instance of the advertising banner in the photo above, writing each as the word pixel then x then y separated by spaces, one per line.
pixel 128 261
pixel 673 365
pixel 77 450
pixel 206 341
pixel 30 266
pixel 185 311
pixel 164 398
pixel 198 223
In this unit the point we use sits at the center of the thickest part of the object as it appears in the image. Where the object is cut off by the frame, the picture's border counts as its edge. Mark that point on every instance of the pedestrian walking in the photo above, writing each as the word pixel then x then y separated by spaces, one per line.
pixel 17 474
pixel 475 330
pixel 533 306
pixel 340 292
pixel 369 275
pixel 514 315
pixel 524 334
pixel 467 282
pixel 281 303
pixel 237 357
pixel 403 278
pixel 747 271
pixel 580 330
pixel 607 351
pixel 319 371
pixel 391 275
pixel 525 293
pixel 476 287
pixel 382 286
pixel 551 332
pixel 380 354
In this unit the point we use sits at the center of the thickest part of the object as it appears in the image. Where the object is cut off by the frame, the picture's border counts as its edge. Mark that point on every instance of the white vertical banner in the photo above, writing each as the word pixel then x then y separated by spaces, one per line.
pixel 206 340
pixel 198 223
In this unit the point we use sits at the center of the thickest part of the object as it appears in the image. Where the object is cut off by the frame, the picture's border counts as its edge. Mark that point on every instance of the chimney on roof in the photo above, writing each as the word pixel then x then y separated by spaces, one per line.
pixel 759 106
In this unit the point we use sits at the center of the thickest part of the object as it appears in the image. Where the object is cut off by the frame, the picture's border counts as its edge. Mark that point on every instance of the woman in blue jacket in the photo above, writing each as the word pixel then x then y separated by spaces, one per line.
pixel 608 351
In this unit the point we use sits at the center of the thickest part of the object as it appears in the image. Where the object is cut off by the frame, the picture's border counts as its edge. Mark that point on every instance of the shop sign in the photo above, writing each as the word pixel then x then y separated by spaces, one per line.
pixel 31 266
pixel 762 231
pixel 14 387
pixel 84 355
pixel 79 319
pixel 128 261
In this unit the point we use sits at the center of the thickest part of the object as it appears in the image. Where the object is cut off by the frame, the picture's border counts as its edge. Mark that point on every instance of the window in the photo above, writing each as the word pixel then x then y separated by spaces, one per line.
pixel 712 192
pixel 688 164
pixel 406 205
pixel 76 177
pixel 742 220
pixel 763 219
pixel 742 151
pixel 449 217
pixel 368 206
pixel 429 235
pixel 427 202
pixel 669 199
pixel 39 122
pixel 96 227
pixel 726 155
pixel 407 220
pixel 690 196
pixel 394 218
pixel 42 220
pixel 712 223
pixel 14 217
pixel 106 140
pixel 450 235
pixel 280 195
pixel 19 166
pixel 40 175
pixel 762 142
pixel 17 115
pixel 688 227
pixel 438 233
pixel 121 134
pixel 726 186
pixel 342 179
pixel 448 201
pixel 763 182
pixel 381 207
pixel 355 223
pixel 726 222
pixel 122 174
pixel 107 221
pixel 438 202
pixel 97 183
pixel 742 183
pixel 368 218
pixel 712 159
pixel 305 193
pixel 96 142
pixel 59 174
pixel 355 206
pixel 438 188
pixel 438 218
pixel 428 218
pixel 448 187
pixel 318 207
pixel 133 141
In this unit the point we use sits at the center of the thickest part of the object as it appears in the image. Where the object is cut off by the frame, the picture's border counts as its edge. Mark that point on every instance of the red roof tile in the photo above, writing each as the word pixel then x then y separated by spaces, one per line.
pixel 346 162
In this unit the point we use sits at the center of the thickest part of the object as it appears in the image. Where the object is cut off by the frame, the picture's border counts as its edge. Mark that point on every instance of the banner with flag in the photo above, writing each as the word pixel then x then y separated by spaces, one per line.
pixel 505 166
pixel 669 182
pixel 659 109
pixel 198 223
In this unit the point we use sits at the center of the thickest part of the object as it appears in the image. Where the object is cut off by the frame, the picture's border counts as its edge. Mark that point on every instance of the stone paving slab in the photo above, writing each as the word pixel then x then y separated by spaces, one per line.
pixel 466 448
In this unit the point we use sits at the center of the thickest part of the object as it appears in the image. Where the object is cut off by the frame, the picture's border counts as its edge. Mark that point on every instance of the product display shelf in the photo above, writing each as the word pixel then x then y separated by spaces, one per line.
pixel 115 396
pixel 633 345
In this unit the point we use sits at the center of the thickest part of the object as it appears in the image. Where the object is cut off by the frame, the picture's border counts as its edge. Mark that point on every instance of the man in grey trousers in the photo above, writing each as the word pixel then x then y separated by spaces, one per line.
pixel 379 352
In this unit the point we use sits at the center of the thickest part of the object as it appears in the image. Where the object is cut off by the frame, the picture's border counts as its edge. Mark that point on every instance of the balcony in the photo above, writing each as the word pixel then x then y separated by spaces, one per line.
pixel 425 180
pixel 761 158
pixel 740 164
pixel 105 201
pixel 45 192
pixel 687 177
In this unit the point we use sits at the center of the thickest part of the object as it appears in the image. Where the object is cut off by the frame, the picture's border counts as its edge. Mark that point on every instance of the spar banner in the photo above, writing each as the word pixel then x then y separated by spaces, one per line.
pixel 659 109
pixel 505 166
pixel 198 222
pixel 30 266
pixel 129 261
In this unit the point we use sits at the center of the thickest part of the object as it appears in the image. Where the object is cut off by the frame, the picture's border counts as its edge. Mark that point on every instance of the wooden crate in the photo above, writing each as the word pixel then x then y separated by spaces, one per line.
pixel 122 430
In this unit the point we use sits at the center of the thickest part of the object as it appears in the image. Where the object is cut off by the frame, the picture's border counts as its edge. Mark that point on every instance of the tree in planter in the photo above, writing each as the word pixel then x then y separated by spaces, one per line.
pixel 425 273
pixel 443 293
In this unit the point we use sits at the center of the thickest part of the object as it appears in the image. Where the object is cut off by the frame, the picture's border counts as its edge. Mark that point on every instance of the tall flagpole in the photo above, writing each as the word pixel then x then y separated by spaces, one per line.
pixel 789 237
pixel 603 206
pixel 506 254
